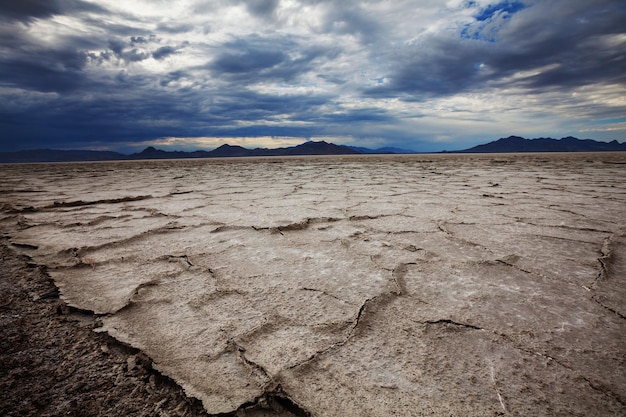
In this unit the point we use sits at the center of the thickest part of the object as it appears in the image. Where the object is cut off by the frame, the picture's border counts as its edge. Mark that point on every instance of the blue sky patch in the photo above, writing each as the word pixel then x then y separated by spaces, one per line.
pixel 481 29
pixel 510 7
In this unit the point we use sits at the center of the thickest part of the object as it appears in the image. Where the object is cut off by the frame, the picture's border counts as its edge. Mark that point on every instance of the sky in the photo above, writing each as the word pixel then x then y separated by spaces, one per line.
pixel 424 75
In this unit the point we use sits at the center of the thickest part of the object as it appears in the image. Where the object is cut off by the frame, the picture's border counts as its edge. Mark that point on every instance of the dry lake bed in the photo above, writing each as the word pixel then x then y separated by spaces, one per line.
pixel 434 285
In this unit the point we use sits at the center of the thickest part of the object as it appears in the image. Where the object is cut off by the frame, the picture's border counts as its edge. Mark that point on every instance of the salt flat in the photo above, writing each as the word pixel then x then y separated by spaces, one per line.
pixel 354 286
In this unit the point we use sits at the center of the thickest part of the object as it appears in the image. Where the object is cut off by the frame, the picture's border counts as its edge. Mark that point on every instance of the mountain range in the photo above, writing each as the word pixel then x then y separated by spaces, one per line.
pixel 516 144
pixel 224 151
pixel 504 145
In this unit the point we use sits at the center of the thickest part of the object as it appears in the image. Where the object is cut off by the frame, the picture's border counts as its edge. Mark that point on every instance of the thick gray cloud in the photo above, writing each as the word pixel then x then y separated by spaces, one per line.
pixel 421 74
pixel 261 7
pixel 174 27
pixel 573 48
pixel 30 67
pixel 253 59
pixel 581 45
pixel 29 10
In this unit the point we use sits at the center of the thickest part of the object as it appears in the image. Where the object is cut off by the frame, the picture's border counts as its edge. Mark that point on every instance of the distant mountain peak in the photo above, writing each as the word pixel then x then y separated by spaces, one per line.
pixel 227 146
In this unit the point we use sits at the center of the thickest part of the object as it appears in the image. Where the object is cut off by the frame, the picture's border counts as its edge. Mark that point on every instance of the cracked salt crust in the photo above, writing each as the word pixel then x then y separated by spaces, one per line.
pixel 379 285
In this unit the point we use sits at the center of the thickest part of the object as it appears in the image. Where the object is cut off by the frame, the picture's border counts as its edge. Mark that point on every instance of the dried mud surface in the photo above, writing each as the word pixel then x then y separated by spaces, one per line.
pixel 327 286
pixel 53 364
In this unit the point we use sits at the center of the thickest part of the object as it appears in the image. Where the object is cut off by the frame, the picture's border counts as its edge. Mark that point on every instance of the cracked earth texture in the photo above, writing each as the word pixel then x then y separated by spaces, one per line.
pixel 353 286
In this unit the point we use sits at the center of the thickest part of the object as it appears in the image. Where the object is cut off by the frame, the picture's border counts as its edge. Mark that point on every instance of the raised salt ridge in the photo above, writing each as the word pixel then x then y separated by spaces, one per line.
pixel 378 285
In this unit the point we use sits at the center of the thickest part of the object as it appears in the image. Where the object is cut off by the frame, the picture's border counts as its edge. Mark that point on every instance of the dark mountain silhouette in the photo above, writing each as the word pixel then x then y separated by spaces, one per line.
pixel 307 148
pixel 153 153
pixel 503 145
pixel 224 151
pixel 318 148
pixel 385 150
pixel 568 144
pixel 229 151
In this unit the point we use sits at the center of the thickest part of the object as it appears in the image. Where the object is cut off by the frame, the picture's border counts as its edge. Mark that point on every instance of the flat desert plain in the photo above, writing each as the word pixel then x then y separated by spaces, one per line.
pixel 407 285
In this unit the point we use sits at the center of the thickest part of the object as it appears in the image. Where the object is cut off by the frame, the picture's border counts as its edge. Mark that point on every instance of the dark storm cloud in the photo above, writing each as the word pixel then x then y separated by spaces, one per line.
pixel 261 106
pixel 134 113
pixel 51 70
pixel 255 58
pixel 579 45
pixel 571 50
pixel 446 67
pixel 120 118
pixel 27 10
pixel 248 60
pixel 163 52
